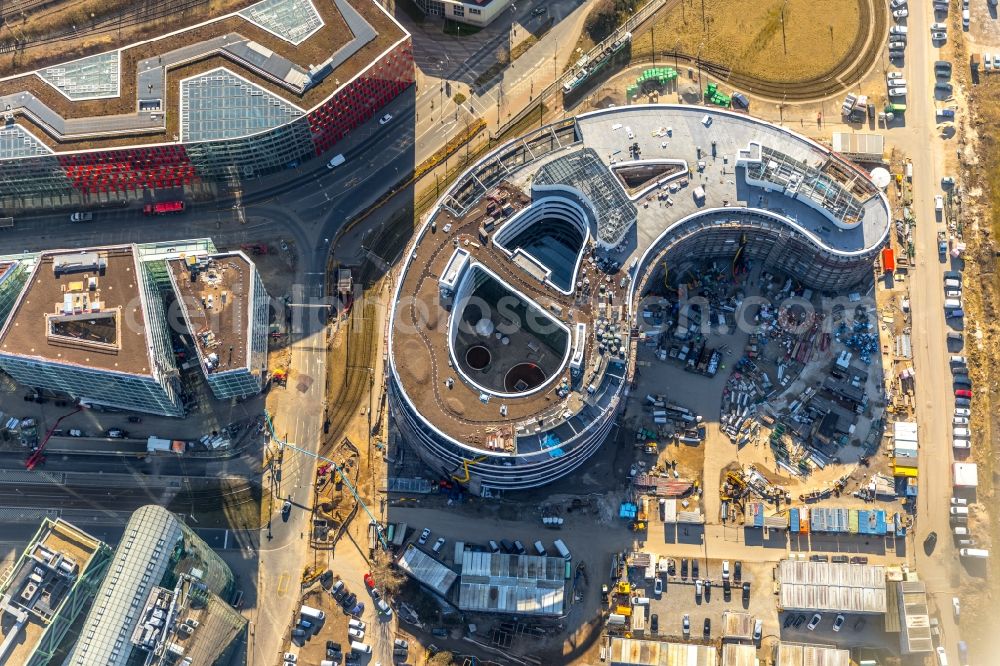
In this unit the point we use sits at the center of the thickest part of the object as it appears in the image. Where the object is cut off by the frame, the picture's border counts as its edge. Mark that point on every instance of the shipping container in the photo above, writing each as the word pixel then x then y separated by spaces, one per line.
pixel 793 520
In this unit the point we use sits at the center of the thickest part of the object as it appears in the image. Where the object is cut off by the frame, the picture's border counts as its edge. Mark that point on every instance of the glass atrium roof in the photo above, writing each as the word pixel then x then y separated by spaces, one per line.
pixel 292 20
pixel 92 77
pixel 221 105
pixel 15 141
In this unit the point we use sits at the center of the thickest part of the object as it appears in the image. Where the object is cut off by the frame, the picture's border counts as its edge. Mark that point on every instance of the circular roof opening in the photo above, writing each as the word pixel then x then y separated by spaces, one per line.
pixel 478 357
pixel 523 377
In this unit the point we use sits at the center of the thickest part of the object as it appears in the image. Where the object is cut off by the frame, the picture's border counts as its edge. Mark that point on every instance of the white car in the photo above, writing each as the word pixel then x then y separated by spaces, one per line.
pixel 959 511
pixel 953 293
pixel 293 658
pixel 897 92
pixel 698 588
pixel 384 120
pixel 658 587
pixel 438 545
pixel 725 569
pixel 896 4
pixel 963 411
pixel 939 27
pixel 892 76
pixel 897 45
pixel 424 536
pixel 839 622
pixel 939 36
pixel 938 203
pixel 383 608
pixel 898 83
pixel 900 13
pixel 356 634
pixel 956 606
pixel 957 359
pixel 942 656
pixel 629 133
pixel 960 420
pixel 814 622
pixel 959 501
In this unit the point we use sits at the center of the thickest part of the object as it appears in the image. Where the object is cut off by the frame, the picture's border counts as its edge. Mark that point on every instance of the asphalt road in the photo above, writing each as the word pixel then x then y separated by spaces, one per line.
pixel 941 569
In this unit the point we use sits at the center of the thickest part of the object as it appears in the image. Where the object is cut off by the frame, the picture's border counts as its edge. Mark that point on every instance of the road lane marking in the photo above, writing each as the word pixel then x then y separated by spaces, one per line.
pixel 282 584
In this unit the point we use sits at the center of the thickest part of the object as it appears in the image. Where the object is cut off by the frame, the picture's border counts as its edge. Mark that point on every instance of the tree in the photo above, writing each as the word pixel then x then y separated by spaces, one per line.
pixel 441 659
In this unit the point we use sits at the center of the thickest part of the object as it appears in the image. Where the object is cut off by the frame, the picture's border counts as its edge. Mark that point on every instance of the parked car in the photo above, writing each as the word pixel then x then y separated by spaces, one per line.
pixel 686 625
pixel 959 510
pixel 293 658
pixel 896 45
pixel 897 92
pixel 358 609
pixel 900 13
pixel 438 545
pixel 658 587
pixel 758 630
pixel 356 634
pixel 684 568
pixel 117 433
pixel 963 411
pixel 893 76
pixel 737 571
pixel 939 36
pixel 814 622
pixel 81 217
pixel 959 393
pixel 708 627
pixel 746 592
pixel 424 536
pixel 939 27
pixel 956 606
pixel 942 656
pixel 698 587
pixel 384 120
pixel 839 622
pixel 725 569
pixel 654 623
pixel 694 568
pixel 383 607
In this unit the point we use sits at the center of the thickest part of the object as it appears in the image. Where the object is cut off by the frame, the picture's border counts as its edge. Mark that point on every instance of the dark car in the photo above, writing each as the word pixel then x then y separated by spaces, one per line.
pixel 694 568
pixel 507 546
pixel 349 601
pixel 746 593
pixel 799 619
pixel 326 579
pixel 840 559
pixel 789 621
pixel 654 623
pixel 671 567
pixel 340 594
pixel 859 559
pixel 708 627
pixel 737 571
pixel 727 590
pixel 929 542
pixel 684 568
pixel 286 509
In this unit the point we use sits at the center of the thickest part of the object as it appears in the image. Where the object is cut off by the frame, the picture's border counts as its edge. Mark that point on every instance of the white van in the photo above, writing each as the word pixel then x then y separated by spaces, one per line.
pixel 973 552
pixel 356 624
pixel 957 359
pixel 960 531
pixel 640 601
pixel 361 648
pixel 897 30
pixel 960 444
pixel 952 283
pixel 959 510
pixel 539 548
pixel 961 432
pixel 336 161
pixel 952 303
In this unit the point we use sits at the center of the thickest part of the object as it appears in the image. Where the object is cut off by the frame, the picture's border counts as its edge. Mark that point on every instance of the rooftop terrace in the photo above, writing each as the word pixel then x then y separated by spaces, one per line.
pixel 296 51
pixel 82 308
pixel 214 294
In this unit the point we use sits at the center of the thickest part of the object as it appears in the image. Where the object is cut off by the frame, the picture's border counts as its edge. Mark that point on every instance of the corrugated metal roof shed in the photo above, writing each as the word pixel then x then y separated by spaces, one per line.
pixel 914 619
pixel 633 652
pixel 739 655
pixel 736 624
pixel 427 570
pixel 799 654
pixel 829 586
pixel 522 584
pixel 869 146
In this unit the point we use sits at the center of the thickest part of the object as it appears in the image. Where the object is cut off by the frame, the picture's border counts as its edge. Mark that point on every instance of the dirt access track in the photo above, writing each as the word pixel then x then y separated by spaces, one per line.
pixel 862 55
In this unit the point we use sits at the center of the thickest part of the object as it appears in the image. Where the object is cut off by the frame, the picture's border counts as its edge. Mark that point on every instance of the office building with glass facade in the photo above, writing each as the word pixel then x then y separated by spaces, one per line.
pixel 246 108
pixel 165 594
pixel 92 324
pixel 225 307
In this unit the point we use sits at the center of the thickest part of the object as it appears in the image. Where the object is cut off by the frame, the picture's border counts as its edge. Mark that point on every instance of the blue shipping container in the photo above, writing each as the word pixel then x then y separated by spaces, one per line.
pixel 793 522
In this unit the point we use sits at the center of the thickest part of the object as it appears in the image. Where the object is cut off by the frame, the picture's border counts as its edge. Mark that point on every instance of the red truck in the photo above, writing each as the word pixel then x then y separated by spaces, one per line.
pixel 163 208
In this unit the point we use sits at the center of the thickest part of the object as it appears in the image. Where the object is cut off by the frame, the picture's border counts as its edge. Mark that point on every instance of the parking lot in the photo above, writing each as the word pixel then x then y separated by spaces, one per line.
pixel 680 597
